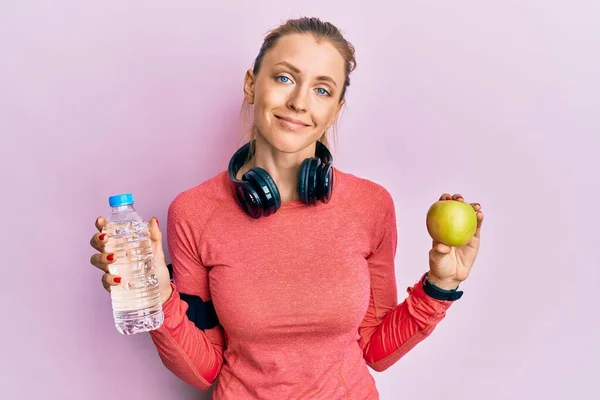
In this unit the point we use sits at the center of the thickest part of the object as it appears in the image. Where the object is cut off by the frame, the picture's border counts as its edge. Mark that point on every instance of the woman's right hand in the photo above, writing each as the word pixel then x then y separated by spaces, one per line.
pixel 102 260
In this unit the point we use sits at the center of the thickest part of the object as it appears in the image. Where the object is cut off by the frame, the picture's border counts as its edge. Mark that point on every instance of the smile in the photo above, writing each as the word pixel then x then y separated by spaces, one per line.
pixel 291 123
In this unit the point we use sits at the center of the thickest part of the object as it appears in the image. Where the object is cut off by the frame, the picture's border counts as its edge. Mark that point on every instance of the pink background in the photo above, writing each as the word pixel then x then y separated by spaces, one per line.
pixel 497 101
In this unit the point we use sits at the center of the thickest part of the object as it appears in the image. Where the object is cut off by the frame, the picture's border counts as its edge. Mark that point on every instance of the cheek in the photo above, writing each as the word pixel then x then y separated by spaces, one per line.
pixel 324 114
pixel 270 96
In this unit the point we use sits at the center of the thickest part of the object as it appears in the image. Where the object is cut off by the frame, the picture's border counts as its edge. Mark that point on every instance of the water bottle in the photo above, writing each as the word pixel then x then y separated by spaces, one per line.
pixel 136 300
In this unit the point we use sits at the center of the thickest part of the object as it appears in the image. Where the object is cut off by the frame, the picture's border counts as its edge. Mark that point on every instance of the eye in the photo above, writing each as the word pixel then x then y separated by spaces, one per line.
pixel 283 79
pixel 323 92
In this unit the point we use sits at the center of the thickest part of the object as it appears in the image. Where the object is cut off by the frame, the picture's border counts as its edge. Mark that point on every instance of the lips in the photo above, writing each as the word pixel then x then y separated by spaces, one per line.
pixel 291 122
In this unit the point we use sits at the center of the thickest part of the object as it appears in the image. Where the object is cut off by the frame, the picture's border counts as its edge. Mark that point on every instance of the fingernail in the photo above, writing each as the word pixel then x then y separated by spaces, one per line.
pixel 101 237
pixel 117 279
pixel 157 222
pixel 448 197
pixel 110 257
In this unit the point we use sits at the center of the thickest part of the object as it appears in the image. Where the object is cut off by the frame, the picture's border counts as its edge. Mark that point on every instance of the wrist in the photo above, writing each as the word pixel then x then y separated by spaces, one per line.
pixel 442 283
pixel 446 291
pixel 166 293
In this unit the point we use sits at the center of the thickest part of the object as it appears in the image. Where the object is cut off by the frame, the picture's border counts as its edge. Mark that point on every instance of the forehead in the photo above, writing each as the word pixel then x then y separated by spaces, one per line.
pixel 311 57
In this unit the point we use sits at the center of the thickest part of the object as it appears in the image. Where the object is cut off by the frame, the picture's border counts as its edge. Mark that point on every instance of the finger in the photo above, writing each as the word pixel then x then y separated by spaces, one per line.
pixel 156 237
pixel 476 206
pixel 100 223
pixel 458 197
pixel 109 281
pixel 446 196
pixel 102 260
pixel 98 241
pixel 479 223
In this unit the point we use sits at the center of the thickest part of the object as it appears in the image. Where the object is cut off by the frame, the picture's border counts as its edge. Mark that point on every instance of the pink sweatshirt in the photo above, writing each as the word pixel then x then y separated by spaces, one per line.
pixel 306 299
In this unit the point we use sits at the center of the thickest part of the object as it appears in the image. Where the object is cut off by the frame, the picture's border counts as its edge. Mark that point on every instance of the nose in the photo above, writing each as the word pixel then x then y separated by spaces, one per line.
pixel 298 100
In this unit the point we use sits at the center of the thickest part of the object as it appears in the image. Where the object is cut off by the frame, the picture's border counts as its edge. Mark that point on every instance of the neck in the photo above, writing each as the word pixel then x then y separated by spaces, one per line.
pixel 282 167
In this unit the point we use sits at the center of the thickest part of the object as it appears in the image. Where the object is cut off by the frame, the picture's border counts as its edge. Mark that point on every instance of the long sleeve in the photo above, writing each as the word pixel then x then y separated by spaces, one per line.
pixel 193 354
pixel 389 330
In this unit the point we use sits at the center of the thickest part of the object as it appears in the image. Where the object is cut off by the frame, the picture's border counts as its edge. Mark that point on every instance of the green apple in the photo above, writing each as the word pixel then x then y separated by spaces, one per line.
pixel 451 222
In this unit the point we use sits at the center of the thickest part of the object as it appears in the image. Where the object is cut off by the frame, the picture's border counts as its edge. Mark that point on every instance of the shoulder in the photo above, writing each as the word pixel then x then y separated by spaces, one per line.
pixel 201 201
pixel 365 193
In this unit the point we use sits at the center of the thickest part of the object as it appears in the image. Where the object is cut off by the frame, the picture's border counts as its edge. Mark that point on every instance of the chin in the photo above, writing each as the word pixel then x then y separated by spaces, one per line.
pixel 290 142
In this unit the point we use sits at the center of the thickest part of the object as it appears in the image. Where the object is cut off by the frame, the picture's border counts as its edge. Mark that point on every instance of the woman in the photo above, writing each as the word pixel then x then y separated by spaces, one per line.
pixel 283 266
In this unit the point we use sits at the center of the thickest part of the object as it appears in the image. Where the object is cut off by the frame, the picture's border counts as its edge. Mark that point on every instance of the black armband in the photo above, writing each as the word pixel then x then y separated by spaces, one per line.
pixel 201 313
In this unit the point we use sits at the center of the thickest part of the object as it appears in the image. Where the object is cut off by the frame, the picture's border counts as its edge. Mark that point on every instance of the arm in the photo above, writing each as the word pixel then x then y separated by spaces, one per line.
pixel 389 330
pixel 190 342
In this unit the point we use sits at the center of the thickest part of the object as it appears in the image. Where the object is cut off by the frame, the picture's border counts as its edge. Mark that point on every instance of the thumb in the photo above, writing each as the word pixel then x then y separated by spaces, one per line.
pixel 156 237
pixel 439 251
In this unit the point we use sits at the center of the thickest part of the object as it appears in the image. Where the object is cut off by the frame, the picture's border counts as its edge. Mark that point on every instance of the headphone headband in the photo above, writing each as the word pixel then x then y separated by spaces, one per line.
pixel 240 156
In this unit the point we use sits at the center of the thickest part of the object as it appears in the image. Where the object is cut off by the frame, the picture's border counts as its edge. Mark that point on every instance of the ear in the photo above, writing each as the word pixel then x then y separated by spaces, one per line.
pixel 249 79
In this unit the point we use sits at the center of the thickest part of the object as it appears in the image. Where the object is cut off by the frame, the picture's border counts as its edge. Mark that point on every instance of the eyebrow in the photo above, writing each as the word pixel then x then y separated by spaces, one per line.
pixel 297 71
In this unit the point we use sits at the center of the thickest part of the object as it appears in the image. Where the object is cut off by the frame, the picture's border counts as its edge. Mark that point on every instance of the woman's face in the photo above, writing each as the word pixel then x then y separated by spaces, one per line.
pixel 296 93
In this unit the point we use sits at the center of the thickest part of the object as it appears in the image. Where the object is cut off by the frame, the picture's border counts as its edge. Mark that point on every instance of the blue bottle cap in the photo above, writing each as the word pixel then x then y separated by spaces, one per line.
pixel 120 200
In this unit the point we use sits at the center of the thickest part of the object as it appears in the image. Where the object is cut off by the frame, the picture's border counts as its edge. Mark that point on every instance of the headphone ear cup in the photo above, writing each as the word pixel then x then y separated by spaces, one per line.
pixel 313 181
pixel 325 185
pixel 303 180
pixel 320 171
pixel 248 199
pixel 265 187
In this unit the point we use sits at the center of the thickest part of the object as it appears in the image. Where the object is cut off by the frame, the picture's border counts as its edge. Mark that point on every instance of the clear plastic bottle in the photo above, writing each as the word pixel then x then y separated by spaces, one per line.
pixel 136 300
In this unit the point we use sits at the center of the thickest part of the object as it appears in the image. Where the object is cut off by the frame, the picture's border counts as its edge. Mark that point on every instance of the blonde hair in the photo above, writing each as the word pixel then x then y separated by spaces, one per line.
pixel 321 31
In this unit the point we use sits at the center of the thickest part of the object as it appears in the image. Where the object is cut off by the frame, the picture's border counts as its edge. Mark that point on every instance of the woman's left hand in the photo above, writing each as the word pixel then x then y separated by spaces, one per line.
pixel 449 266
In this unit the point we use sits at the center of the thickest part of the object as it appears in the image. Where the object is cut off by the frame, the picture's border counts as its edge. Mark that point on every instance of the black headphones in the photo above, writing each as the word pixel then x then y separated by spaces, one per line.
pixel 257 192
